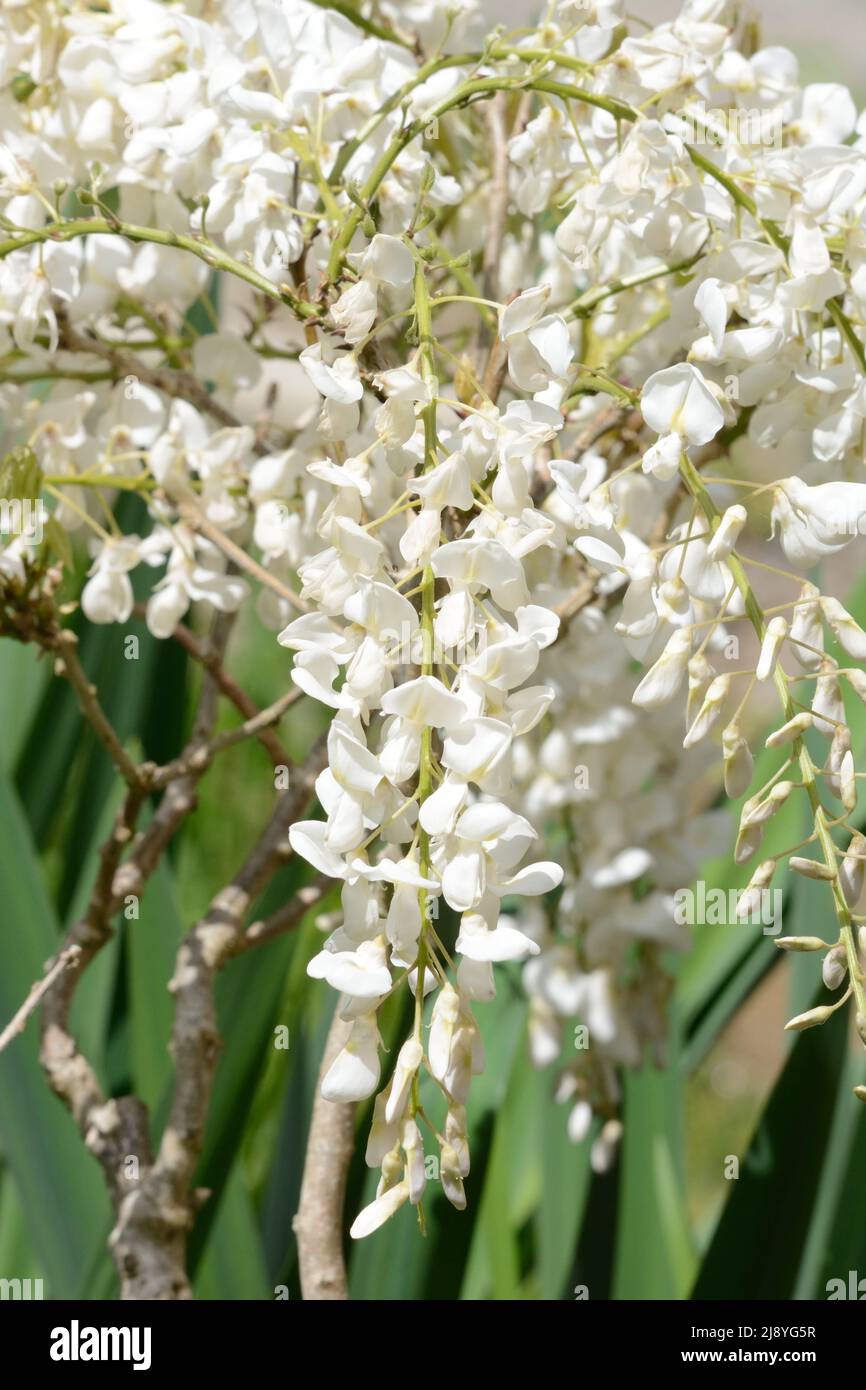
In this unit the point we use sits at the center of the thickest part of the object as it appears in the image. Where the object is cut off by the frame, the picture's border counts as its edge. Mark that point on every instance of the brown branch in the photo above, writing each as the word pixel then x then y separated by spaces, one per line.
pixel 170 380
pixel 497 207
pixel 65 643
pixel 199 522
pixel 318 1224
pixel 202 755
pixel 18 1022
pixel 285 918
pixel 115 1130
pixel 112 1129
pixel 149 1239
pixel 155 1203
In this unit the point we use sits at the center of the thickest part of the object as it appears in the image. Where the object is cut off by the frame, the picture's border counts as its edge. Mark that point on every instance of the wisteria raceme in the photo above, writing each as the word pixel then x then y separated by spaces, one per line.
pixel 517 380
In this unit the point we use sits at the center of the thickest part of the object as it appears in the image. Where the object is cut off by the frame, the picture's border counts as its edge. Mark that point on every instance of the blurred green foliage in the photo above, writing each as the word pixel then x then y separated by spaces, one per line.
pixel 664 1223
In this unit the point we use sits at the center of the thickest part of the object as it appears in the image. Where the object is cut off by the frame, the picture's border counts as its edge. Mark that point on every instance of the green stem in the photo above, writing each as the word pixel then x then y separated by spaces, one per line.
pixel 212 255
pixel 583 306
pixel 697 488
pixel 369 26
pixel 423 321
pixel 482 87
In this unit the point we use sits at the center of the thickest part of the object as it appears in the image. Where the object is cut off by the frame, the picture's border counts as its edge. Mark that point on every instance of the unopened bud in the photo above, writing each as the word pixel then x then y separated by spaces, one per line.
pixel 663 680
pixel 777 631
pixel 852 869
pixel 751 898
pixel 674 602
pixel 813 1018
pixel 807 627
pixel 727 533
pixel 794 729
pixel 604 1149
pixel 811 868
pixel 700 675
pixel 857 681
pixel 757 811
pixel 835 967
pixel 827 701
pixel 748 841
pixel 848 782
pixel 738 761
pixel 801 943
pixel 709 711
pixel 848 633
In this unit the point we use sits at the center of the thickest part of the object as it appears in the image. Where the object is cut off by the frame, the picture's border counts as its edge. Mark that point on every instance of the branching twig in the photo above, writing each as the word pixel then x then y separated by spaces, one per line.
pixel 18 1022
pixel 196 518
pixel 318 1224
pixel 498 206
pixel 285 918
pixel 170 380
pixel 203 755
pixel 112 1129
pixel 149 1239
pixel 65 645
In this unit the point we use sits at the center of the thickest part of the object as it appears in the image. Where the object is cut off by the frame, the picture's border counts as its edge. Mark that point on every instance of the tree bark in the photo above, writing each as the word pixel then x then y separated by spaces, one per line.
pixel 319 1220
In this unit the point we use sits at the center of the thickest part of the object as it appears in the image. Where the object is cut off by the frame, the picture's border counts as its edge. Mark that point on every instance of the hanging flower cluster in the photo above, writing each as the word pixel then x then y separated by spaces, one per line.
pixel 519 378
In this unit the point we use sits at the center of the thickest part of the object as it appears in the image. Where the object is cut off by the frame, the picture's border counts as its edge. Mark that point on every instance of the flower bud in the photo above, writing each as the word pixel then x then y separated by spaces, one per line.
pixel 727 533
pixel 852 870
pixel 456 1134
pixel 413 1147
pixel 807 628
pixel 604 1149
pixel 738 761
pixel 748 841
pixel 663 680
pixel 811 868
pixel 673 601
pixel 827 701
pixel 834 968
pixel 848 782
pixel 382 1137
pixel 777 631
pixel 378 1212
pixel 839 746
pixel 794 729
pixel 757 811
pixel 709 711
pixel 408 1062
pixel 847 632
pixel 452 1179
pixel 800 943
pixel 700 675
pixel 750 900
pixel 857 681
pixel 813 1018
pixel 579 1121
